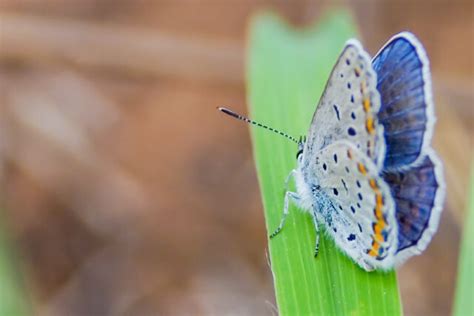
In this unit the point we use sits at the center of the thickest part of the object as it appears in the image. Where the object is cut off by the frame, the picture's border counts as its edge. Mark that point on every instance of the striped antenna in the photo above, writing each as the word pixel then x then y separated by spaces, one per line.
pixel 245 119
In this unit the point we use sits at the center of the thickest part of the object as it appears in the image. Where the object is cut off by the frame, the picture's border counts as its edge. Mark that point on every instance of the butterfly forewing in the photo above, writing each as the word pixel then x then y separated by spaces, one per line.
pixel 349 106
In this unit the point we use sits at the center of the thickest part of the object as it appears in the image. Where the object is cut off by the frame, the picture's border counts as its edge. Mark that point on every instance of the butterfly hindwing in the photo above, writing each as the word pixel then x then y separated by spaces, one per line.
pixel 348 107
pixel 404 84
pixel 418 194
pixel 355 204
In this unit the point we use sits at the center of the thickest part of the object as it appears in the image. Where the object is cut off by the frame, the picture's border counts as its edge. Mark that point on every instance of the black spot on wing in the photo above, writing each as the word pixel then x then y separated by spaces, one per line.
pixel 344 184
pixel 337 112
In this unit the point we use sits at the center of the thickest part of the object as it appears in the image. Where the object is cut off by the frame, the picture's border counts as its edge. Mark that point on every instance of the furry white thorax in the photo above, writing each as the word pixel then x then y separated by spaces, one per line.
pixel 303 190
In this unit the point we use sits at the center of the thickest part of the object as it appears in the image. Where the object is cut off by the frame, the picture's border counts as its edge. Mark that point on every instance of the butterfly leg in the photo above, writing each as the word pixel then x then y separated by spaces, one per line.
pixel 288 195
pixel 287 181
pixel 316 227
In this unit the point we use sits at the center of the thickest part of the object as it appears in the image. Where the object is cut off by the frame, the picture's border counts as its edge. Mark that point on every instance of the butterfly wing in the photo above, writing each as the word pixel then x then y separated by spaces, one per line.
pixel 419 195
pixel 348 107
pixel 407 114
pixel 411 167
pixel 355 204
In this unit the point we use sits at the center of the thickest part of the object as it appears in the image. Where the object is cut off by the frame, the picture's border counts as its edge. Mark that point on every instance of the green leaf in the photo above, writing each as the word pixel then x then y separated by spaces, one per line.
pixel 287 71
pixel 464 302
pixel 13 299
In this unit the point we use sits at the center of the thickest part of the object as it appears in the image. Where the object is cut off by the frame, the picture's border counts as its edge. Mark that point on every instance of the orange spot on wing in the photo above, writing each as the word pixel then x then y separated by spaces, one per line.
pixel 372 253
pixel 369 125
pixel 378 205
pixel 366 104
pixel 378 237
pixel 378 199
pixel 365 100
pixel 382 223
pixel 377 228
pixel 375 249
pixel 373 184
pixel 361 168
pixel 378 212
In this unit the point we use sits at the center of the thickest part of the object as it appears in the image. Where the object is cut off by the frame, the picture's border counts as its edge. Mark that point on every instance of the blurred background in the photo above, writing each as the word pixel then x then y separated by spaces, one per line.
pixel 125 193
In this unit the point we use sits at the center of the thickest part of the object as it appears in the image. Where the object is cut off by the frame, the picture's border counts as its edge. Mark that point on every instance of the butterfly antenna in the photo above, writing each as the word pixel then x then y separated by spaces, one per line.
pixel 245 119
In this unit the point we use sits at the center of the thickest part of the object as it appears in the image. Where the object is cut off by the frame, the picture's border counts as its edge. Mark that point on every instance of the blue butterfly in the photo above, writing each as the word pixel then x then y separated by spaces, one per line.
pixel 366 169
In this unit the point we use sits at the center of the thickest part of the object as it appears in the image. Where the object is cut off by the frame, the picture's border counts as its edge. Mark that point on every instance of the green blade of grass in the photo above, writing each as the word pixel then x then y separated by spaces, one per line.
pixel 287 71
pixel 464 303
pixel 13 299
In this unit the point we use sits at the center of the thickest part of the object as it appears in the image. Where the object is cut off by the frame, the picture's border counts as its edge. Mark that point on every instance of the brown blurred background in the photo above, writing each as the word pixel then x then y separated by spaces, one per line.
pixel 126 193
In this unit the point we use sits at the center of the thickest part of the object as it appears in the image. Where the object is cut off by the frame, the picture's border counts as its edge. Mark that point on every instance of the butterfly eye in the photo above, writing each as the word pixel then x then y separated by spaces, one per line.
pixel 299 153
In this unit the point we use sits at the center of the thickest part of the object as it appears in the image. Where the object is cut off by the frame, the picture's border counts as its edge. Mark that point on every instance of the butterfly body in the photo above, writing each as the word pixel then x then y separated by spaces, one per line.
pixel 367 171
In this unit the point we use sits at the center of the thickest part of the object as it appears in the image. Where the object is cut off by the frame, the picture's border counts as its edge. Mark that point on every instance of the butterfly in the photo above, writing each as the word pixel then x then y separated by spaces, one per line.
pixel 366 169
